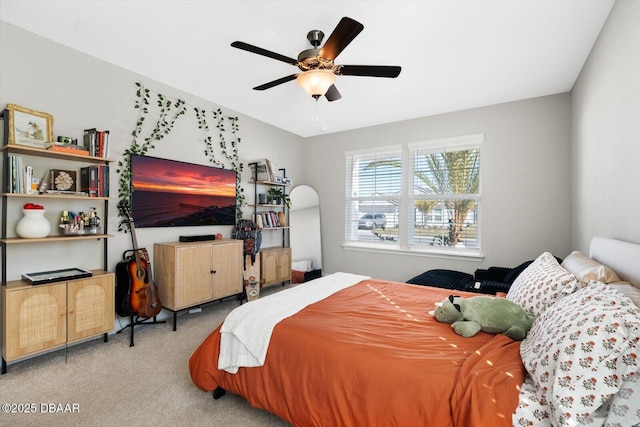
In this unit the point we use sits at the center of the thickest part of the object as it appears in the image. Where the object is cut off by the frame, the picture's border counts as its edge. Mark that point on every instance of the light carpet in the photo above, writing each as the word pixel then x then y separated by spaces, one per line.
pixel 114 384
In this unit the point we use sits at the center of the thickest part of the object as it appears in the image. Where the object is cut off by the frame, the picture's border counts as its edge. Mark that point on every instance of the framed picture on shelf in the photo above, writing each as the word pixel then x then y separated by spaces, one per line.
pixel 62 180
pixel 264 172
pixel 29 127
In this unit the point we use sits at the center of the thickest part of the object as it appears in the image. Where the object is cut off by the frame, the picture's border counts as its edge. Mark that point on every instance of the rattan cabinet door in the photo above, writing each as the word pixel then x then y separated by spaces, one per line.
pixel 284 264
pixel 194 282
pixel 90 307
pixel 227 267
pixel 269 267
pixel 275 265
pixel 35 319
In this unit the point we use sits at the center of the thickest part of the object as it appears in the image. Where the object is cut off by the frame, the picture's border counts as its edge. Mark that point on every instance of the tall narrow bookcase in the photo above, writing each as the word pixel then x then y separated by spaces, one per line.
pixel 39 318
pixel 275 261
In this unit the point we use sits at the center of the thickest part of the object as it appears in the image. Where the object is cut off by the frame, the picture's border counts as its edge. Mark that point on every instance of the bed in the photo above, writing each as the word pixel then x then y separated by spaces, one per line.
pixel 370 354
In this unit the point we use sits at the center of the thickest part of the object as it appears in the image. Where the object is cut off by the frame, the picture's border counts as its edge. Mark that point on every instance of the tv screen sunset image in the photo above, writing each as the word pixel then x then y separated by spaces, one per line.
pixel 169 193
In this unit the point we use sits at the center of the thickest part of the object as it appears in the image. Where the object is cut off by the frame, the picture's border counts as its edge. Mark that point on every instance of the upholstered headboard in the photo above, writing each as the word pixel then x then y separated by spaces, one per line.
pixel 622 257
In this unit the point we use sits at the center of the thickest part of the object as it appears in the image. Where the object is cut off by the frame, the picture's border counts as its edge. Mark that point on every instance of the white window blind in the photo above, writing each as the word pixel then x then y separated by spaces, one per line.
pixel 424 196
pixel 373 192
pixel 444 193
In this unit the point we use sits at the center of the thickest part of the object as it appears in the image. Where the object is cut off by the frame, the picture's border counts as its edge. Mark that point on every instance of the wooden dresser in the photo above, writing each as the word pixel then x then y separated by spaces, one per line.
pixel 189 274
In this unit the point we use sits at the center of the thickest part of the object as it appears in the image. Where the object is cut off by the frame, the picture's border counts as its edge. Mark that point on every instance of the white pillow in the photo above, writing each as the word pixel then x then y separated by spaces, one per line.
pixel 628 290
pixel 302 265
pixel 542 284
pixel 588 269
pixel 582 357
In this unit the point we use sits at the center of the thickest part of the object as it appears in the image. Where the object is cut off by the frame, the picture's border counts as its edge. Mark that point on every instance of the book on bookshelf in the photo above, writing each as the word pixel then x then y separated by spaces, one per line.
pixel 97 142
pixel 69 148
pixel 89 140
pixel 28 176
pixel 103 181
pixel 94 180
pixel 21 177
pixel 269 219
pixel 104 142
pixel 89 180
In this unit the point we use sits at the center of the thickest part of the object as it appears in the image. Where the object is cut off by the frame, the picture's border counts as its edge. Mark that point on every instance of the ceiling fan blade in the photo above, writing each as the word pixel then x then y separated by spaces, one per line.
pixel 344 33
pixel 276 82
pixel 263 52
pixel 369 70
pixel 332 94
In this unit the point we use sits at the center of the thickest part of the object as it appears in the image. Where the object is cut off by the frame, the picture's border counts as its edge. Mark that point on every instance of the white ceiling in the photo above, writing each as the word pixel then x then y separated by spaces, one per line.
pixel 454 54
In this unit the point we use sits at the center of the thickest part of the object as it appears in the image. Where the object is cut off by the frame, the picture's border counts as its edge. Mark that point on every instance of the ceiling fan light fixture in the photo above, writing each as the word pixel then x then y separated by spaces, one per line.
pixel 316 82
pixel 317 66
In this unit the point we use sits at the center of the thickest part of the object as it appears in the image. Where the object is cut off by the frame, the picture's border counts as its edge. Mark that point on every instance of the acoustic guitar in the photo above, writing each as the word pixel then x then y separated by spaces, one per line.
pixel 142 294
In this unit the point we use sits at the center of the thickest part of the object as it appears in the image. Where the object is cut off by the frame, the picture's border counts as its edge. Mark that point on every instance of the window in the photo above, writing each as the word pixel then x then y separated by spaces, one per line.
pixel 444 193
pixel 436 209
pixel 374 187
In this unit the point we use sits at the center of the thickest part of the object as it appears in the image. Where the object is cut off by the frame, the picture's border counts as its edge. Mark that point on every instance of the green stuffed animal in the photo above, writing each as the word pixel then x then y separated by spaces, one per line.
pixel 495 315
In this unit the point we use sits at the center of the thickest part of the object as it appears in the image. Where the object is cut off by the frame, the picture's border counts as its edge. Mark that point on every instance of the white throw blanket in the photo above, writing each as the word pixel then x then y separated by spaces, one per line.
pixel 246 331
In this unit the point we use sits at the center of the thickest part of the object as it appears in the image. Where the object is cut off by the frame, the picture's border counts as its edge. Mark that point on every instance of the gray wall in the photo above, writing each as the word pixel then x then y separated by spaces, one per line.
pixel 532 150
pixel 83 92
pixel 605 179
pixel 524 180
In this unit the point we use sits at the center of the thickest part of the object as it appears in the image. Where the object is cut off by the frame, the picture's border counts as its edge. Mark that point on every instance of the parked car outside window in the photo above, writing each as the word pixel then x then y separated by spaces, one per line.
pixel 371 221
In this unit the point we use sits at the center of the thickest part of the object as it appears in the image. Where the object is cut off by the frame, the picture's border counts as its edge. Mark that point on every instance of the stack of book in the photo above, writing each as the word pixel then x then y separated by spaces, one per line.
pixel 97 142
pixel 21 179
pixel 269 219
pixel 71 148
pixel 94 180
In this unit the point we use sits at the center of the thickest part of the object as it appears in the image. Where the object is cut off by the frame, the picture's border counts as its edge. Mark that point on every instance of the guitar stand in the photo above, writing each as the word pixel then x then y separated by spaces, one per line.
pixel 135 320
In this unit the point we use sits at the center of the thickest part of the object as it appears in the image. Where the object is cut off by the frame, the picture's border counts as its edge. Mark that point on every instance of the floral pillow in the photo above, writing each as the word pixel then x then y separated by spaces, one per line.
pixel 542 284
pixel 583 359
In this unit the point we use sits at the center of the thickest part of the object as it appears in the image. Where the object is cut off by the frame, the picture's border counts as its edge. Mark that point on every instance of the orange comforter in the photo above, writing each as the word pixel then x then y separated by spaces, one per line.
pixel 371 355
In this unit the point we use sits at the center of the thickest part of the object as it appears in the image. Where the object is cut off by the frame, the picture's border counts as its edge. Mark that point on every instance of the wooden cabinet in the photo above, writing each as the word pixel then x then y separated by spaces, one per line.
pixel 45 317
pixel 275 265
pixel 188 274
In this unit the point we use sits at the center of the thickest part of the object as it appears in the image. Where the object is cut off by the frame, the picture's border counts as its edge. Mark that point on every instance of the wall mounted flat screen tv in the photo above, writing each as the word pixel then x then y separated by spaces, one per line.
pixel 169 193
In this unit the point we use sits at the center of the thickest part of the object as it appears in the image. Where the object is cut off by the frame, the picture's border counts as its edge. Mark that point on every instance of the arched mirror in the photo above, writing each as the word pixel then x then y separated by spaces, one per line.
pixel 304 236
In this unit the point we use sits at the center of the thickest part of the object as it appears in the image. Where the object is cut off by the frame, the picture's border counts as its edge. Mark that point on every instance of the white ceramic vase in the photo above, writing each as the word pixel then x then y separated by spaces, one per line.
pixel 33 224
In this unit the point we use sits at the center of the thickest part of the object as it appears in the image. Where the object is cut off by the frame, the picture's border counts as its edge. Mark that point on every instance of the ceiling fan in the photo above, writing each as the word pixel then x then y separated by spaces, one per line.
pixel 318 71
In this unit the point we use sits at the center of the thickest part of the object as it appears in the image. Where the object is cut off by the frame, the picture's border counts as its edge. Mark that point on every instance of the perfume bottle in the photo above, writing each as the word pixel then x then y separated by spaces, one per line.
pixel 64 222
pixel 93 223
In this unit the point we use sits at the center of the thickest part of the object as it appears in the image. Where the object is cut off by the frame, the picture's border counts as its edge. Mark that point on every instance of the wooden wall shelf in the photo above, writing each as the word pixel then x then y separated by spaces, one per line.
pixel 31 151
pixel 54 196
pixel 20 240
